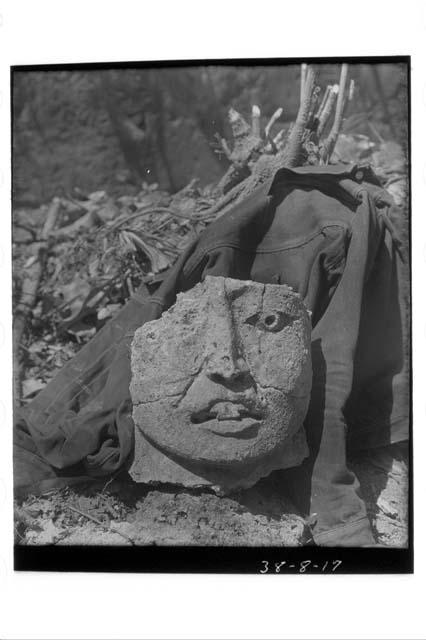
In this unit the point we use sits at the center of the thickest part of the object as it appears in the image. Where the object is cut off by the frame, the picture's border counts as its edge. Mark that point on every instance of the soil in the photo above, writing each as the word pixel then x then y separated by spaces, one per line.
pixel 123 513
pixel 384 478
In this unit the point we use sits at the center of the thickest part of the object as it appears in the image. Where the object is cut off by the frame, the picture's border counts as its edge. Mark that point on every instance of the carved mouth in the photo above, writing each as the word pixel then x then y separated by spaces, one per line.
pixel 245 429
pixel 224 411
pixel 229 419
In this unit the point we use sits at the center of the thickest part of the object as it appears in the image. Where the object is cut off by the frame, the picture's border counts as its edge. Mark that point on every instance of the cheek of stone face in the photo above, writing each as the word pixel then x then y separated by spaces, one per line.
pixel 169 352
pixel 171 430
pixel 285 361
pixel 280 360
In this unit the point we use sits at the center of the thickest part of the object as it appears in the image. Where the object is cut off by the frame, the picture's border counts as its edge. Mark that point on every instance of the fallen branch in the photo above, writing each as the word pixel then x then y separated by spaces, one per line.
pixel 293 149
pixel 255 121
pixel 87 221
pixel 326 109
pixel 226 200
pixel 149 211
pixel 303 72
pixel 102 524
pixel 246 141
pixel 323 101
pixel 290 155
pixel 226 149
pixel 312 123
pixel 276 116
pixel 29 294
pixel 331 140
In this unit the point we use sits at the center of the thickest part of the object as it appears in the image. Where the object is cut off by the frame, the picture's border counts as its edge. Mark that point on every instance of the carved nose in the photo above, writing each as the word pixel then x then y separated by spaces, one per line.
pixel 225 364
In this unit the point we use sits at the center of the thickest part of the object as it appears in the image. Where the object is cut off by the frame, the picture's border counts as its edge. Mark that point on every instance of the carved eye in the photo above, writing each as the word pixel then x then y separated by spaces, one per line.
pixel 270 321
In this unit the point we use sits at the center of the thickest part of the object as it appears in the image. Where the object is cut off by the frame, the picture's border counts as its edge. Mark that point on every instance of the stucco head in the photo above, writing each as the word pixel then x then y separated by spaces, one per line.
pixel 222 380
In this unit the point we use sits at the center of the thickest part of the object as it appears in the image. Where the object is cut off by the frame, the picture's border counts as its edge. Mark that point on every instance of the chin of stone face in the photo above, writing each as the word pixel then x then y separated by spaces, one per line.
pixel 221 385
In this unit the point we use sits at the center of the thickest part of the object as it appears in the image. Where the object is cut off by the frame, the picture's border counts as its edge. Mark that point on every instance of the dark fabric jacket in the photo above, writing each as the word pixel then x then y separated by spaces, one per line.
pixel 330 233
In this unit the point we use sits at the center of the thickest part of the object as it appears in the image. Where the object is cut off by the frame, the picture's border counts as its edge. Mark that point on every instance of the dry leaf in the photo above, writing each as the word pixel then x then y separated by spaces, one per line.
pixel 31 386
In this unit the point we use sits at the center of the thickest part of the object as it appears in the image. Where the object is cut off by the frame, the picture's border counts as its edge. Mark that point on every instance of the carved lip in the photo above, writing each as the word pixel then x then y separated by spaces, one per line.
pixel 244 428
pixel 237 411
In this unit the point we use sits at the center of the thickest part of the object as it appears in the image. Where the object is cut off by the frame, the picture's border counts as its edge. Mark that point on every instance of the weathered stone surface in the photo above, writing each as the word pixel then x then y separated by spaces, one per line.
pixel 220 385
pixel 152 467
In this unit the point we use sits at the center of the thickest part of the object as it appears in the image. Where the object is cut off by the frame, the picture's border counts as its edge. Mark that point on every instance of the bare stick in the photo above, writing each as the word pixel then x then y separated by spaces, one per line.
pixel 149 210
pixel 374 131
pixel 327 109
pixel 224 146
pixel 279 137
pixel 351 90
pixel 311 124
pixel 226 149
pixel 323 101
pixel 102 524
pixel 255 121
pixel 229 197
pixel 303 72
pixel 330 143
pixel 29 294
pixel 275 116
pixel 293 148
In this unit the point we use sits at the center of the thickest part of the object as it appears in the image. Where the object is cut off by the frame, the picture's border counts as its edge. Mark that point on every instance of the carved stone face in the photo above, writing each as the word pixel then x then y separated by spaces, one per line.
pixel 222 380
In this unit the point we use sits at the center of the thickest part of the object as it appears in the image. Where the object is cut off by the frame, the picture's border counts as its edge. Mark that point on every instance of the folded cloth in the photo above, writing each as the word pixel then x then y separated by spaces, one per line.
pixel 330 233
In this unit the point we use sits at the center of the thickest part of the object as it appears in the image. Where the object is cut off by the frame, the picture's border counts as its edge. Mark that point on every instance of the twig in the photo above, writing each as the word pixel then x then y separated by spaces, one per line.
pixel 26 228
pixel 312 122
pixel 303 72
pixel 327 109
pixel 374 131
pixel 331 140
pixel 293 150
pixel 223 147
pixel 129 286
pixel 146 212
pixel 112 478
pixel 272 143
pixel 102 524
pixel 255 121
pixel 85 221
pixel 21 515
pixel 17 532
pixel 276 116
pixel 323 102
pixel 226 149
pixel 27 241
pixel 278 138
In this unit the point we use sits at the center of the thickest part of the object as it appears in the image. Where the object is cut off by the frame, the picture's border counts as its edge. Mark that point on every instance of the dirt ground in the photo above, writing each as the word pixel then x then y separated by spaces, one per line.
pixel 384 480
pixel 123 513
